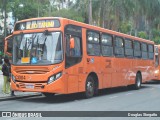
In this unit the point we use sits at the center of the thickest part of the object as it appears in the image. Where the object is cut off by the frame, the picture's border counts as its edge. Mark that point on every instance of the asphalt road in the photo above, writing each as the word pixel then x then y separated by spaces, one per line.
pixel 115 99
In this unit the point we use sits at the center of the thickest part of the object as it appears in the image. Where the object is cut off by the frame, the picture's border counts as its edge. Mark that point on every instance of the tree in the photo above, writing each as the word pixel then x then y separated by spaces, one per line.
pixel 142 34
pixel 29 9
pixel 70 14
pixel 119 15
pixel 81 7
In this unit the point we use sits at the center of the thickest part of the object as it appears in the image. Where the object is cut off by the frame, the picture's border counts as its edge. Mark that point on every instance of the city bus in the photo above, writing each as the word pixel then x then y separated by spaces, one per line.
pixel 157 63
pixel 54 55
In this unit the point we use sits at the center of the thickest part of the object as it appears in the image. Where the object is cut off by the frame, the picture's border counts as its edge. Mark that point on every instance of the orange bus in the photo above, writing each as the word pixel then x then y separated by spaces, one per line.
pixel 157 63
pixel 58 55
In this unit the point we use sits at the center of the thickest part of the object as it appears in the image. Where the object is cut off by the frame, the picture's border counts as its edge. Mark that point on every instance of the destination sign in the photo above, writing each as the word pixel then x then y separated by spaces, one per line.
pixel 37 24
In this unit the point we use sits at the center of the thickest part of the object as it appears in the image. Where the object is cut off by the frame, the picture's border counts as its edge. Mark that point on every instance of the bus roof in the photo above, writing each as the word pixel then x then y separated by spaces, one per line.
pixel 91 27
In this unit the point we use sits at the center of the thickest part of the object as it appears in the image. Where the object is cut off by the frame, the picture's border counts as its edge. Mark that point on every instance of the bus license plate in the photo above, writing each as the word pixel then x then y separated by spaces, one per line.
pixel 29 86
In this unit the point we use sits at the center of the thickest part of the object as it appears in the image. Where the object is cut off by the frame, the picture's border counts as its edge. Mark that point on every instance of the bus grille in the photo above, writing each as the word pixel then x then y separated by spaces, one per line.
pixel 35 86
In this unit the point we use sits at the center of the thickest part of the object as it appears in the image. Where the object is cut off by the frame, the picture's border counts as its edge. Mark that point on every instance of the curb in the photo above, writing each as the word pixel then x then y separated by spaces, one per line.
pixel 18 97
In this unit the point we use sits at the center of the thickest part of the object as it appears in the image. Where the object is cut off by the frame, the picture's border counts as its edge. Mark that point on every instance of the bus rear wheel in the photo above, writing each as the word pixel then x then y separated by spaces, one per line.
pixel 138 81
pixel 49 95
pixel 90 87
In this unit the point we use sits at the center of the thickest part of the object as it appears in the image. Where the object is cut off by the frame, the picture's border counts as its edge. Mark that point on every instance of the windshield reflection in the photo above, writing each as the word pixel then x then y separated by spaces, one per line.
pixel 37 48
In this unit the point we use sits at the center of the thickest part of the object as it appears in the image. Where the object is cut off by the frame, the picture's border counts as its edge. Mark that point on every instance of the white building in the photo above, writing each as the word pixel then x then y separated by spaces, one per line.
pixel 64 4
pixel 10 23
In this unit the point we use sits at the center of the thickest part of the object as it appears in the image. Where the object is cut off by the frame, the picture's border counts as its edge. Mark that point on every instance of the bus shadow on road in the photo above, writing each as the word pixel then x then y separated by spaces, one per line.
pixel 153 82
pixel 61 98
pixel 117 90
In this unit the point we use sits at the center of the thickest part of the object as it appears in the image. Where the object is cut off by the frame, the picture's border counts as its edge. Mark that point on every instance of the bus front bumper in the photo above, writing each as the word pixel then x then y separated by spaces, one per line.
pixel 55 87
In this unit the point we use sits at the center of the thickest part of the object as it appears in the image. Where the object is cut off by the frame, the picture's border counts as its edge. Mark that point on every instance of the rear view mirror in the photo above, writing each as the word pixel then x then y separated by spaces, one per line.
pixel 72 44
pixel 46 32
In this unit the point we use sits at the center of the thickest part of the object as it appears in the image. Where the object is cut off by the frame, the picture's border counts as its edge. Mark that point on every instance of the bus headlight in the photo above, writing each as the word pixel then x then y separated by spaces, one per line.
pixel 156 71
pixel 54 77
pixel 13 78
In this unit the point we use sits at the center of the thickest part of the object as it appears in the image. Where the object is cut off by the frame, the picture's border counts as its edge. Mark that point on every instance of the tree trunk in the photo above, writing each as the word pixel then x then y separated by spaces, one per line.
pixel 90 12
pixel 5 16
pixel 102 13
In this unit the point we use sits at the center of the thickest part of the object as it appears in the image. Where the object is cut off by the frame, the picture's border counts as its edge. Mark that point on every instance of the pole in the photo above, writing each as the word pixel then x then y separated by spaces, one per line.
pixel 5 21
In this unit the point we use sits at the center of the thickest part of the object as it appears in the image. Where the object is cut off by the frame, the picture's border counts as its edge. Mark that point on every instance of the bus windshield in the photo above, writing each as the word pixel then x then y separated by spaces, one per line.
pixel 37 48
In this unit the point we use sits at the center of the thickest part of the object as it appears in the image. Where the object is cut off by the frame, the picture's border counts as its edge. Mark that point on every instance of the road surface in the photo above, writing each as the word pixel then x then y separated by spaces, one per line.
pixel 115 99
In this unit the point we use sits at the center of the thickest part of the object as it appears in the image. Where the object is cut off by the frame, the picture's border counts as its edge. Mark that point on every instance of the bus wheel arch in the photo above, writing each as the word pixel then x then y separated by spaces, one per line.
pixel 138 80
pixel 91 85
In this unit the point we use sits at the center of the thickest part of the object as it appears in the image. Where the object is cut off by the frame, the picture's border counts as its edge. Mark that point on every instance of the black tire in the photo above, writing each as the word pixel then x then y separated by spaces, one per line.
pixel 49 95
pixel 90 87
pixel 138 81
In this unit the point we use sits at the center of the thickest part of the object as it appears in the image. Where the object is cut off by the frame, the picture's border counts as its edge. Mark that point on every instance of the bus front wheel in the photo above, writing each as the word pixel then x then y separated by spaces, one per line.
pixel 90 87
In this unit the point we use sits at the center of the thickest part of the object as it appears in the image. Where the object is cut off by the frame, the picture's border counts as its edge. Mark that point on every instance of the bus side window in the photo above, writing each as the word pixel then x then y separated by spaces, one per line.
pixel 73 55
pixel 144 51
pixel 137 49
pixel 107 45
pixel 119 47
pixel 93 43
pixel 128 48
pixel 151 51
pixel 76 51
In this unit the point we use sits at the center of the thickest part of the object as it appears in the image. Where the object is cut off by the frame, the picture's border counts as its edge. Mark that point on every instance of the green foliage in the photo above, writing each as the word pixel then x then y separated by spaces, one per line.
pixel 70 14
pixel 1 53
pixel 127 16
pixel 27 11
pixel 156 36
pixel 125 27
pixel 1 5
pixel 142 34
pixel 24 9
pixel 156 32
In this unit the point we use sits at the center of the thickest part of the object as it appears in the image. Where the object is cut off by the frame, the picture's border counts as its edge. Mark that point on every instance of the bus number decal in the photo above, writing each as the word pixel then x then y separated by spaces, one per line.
pixel 108 63
pixel 20 77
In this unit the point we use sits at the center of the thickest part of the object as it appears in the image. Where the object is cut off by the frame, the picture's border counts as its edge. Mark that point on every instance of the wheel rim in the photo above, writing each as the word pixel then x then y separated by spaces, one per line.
pixel 90 88
pixel 138 81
